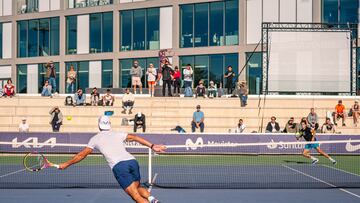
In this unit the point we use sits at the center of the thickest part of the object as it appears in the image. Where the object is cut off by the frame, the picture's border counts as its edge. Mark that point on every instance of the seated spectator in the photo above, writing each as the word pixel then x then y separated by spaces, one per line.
pixel 240 126
pixel 312 119
pixel 290 126
pixel 56 119
pixel 9 89
pixel 95 97
pixel 339 113
pixel 355 112
pixel 128 101
pixel 79 98
pixel 23 126
pixel 200 89
pixel 139 122
pixel 46 91
pixel 328 127
pixel 198 120
pixel 108 99
pixel 272 126
pixel 243 93
pixel 212 90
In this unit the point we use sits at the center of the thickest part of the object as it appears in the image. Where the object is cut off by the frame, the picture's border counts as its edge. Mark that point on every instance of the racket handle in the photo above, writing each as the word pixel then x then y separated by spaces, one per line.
pixel 56 165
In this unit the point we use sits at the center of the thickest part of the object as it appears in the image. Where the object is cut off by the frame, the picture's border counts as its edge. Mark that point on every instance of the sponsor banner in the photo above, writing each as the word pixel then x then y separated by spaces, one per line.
pixel 193 143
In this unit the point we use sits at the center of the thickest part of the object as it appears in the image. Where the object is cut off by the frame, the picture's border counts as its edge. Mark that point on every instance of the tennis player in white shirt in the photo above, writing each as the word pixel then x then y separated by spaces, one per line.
pixel 123 164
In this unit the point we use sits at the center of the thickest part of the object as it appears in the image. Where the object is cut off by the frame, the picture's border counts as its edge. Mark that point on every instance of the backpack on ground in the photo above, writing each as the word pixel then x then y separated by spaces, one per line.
pixel 188 92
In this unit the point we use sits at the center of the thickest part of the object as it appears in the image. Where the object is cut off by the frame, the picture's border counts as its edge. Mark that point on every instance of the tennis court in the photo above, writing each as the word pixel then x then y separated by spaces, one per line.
pixel 190 178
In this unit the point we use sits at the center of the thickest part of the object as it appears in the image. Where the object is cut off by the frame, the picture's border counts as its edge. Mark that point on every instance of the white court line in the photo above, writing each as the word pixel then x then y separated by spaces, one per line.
pixel 322 181
pixel 8 174
pixel 152 182
pixel 338 169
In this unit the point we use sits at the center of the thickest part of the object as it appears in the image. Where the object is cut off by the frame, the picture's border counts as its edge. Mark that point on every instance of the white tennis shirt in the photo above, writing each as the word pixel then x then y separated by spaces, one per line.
pixel 112 147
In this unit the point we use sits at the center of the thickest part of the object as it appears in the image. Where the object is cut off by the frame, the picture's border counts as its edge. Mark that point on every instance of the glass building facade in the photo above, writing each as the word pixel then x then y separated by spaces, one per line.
pixel 88 3
pixel 71 34
pixel 39 37
pixel 101 32
pixel 209 24
pixel 340 11
pixel 140 29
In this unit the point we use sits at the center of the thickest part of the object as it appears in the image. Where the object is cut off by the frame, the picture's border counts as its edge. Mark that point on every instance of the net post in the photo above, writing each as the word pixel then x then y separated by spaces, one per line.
pixel 150 166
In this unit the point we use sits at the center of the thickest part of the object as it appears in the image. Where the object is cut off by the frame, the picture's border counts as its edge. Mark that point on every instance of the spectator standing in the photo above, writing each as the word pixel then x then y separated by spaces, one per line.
pixel 243 93
pixel 188 79
pixel 291 127
pixel 51 75
pixel 23 126
pixel 198 120
pixel 71 79
pixel 151 78
pixel 312 119
pixel 328 127
pixel 212 90
pixel 273 126
pixel 128 101
pixel 56 119
pixel 229 75
pixel 139 122
pixel 339 113
pixel 177 81
pixel 94 97
pixel 108 99
pixel 136 75
pixel 9 89
pixel 240 126
pixel 355 112
pixel 46 91
pixel 200 90
pixel 167 76
pixel 79 98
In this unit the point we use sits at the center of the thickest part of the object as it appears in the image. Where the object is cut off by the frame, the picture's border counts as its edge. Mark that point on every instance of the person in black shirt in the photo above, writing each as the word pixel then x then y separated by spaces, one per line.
pixel 167 77
pixel 309 136
pixel 139 122
pixel 229 82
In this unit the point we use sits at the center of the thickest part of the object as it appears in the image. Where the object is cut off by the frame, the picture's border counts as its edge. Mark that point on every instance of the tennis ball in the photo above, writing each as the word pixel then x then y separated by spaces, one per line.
pixel 69 118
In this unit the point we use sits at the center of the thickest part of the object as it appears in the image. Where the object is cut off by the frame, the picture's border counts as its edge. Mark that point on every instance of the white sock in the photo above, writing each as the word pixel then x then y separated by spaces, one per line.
pixel 331 159
pixel 151 198
pixel 313 158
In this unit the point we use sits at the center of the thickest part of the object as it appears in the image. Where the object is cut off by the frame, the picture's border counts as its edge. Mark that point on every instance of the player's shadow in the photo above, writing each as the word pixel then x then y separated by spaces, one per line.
pixel 296 162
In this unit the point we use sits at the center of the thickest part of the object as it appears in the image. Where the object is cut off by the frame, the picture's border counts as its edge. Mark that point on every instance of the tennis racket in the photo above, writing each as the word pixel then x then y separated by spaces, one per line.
pixel 35 161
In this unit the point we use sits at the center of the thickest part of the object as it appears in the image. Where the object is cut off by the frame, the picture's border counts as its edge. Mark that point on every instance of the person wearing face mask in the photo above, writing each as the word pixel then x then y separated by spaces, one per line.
pixel 136 74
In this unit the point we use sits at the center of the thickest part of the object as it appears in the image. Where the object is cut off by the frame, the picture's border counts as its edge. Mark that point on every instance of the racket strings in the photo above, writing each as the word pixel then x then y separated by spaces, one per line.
pixel 34 161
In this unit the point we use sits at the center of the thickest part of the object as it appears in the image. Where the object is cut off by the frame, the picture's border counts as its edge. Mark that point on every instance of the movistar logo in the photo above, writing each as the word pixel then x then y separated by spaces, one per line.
pixel 33 142
pixel 351 148
pixel 194 145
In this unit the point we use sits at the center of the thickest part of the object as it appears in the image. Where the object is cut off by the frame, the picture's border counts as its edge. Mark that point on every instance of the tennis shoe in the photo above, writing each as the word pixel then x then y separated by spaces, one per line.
pixel 334 162
pixel 315 161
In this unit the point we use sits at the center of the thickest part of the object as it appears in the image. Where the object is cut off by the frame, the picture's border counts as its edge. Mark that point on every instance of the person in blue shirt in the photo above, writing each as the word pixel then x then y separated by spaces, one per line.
pixel 198 120
pixel 79 98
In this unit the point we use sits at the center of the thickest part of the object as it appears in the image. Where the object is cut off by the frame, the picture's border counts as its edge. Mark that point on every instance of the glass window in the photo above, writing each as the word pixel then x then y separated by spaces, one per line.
pixel 42 78
pixel 44 37
pixel 126 30
pixel 254 73
pixel 33 44
pixel 216 73
pixel 201 70
pixel 22 38
pixel 153 28
pixel 186 29
pixel 330 11
pixel 54 36
pixel 21 79
pixel 349 11
pixel 95 33
pixel 139 29
pixel 216 24
pixel 232 22
pixel 71 34
pixel 125 66
pixel 107 74
pixel 201 25
pixel 107 32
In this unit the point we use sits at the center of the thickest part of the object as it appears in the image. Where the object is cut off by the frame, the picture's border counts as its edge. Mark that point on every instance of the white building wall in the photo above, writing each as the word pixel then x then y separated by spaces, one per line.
pixel 7 40
pixel 54 5
pixel 304 11
pixel 5 72
pixel 32 79
pixel 287 10
pixel 253 21
pixel 83 34
pixel 7 7
pixel 95 74
pixel 166 27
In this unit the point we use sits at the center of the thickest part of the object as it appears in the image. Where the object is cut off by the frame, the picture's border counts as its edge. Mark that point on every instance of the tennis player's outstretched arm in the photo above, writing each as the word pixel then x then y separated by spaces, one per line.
pixel 155 147
pixel 77 158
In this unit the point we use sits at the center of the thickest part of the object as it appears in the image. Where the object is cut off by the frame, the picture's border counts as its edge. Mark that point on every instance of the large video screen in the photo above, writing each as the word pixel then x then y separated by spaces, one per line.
pixel 309 62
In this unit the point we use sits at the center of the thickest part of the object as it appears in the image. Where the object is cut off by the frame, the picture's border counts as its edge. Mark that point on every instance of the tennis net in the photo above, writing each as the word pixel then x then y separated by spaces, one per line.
pixel 234 165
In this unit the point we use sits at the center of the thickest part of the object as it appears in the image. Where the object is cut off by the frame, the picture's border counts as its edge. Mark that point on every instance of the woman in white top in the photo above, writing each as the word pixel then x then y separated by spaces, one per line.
pixel 70 80
pixel 151 78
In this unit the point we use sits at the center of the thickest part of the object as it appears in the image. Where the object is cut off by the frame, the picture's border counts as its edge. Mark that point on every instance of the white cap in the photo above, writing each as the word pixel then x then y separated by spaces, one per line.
pixel 104 123
pixel 139 114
